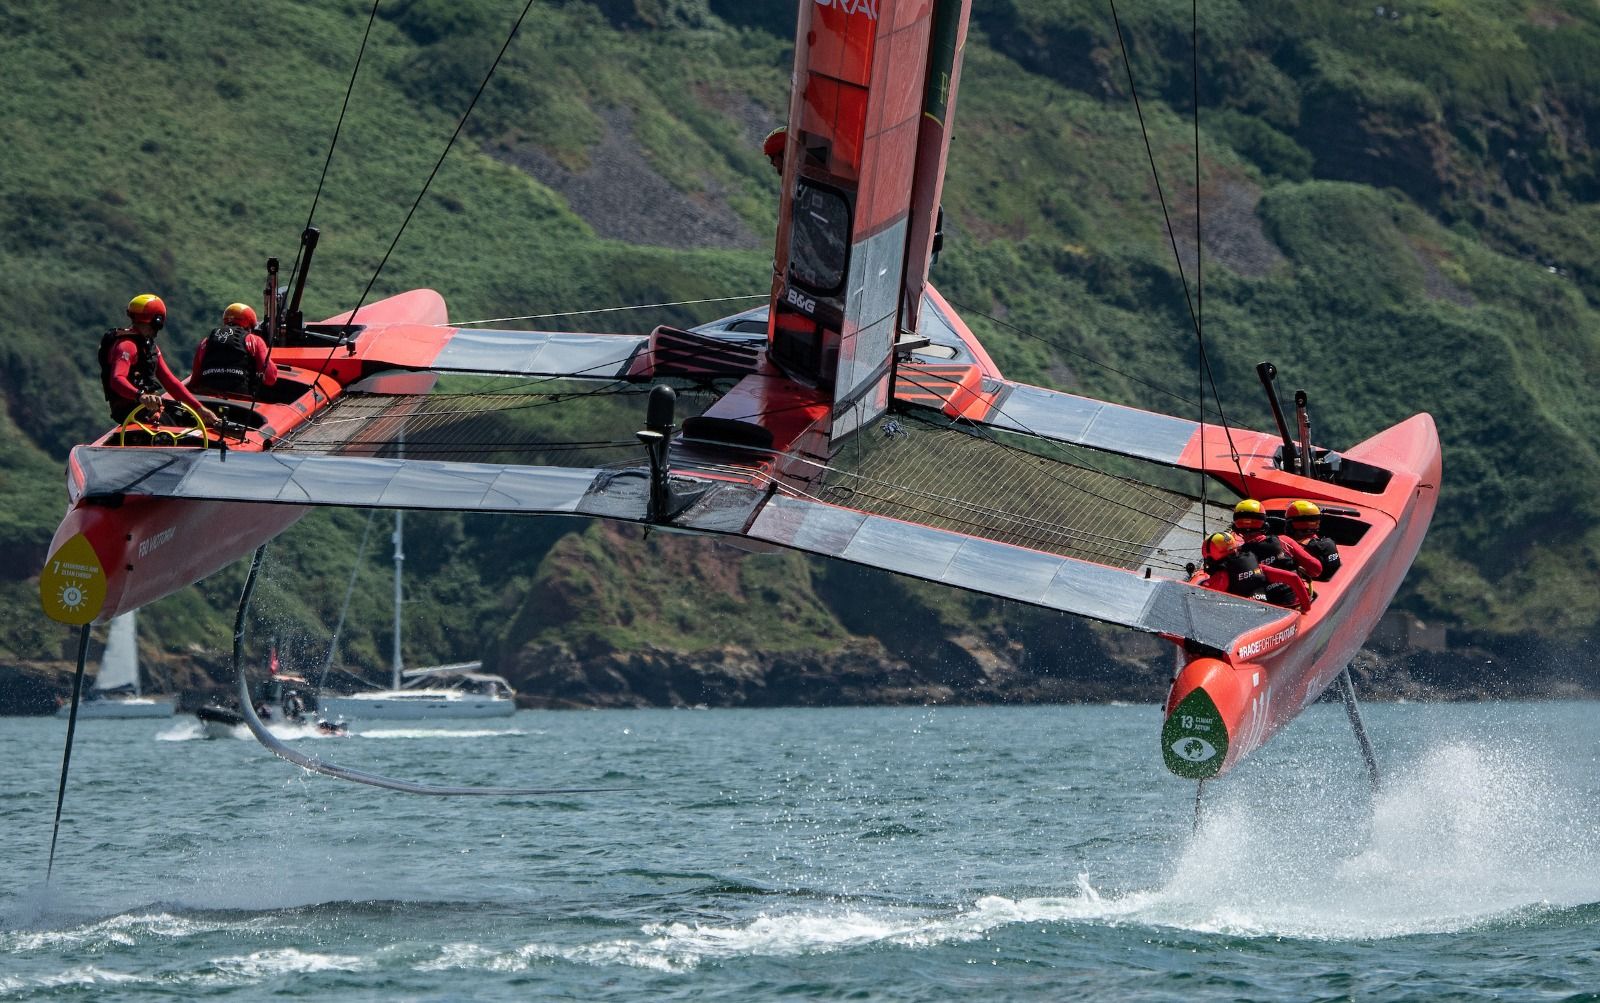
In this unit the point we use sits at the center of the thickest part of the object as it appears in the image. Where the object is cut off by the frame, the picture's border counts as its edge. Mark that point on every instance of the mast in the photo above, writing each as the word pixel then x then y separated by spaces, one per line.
pixel 399 562
pixel 863 169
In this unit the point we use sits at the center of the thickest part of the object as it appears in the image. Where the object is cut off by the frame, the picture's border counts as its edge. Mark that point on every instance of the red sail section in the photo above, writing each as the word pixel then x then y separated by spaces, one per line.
pixel 863 170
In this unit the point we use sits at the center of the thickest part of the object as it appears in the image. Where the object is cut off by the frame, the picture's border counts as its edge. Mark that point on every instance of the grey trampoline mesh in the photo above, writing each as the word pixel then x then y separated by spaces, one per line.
pixel 954 480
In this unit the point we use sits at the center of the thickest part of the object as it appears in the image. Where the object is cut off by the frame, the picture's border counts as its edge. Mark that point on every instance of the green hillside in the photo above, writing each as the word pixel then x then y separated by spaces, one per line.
pixel 1398 208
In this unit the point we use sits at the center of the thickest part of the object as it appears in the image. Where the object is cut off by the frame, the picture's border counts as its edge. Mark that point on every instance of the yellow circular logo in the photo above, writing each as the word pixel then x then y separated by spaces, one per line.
pixel 72 586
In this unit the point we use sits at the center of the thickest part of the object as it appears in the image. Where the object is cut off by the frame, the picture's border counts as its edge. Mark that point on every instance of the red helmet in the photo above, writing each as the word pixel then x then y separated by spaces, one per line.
pixel 1249 514
pixel 239 315
pixel 1220 546
pixel 773 146
pixel 147 308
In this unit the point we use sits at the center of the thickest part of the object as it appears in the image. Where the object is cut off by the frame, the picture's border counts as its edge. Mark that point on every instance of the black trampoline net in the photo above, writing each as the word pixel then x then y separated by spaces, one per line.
pixel 968 483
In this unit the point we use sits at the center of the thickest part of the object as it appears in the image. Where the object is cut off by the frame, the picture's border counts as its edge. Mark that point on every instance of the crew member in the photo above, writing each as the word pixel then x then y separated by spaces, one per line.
pixel 233 359
pixel 773 146
pixel 132 371
pixel 1230 568
pixel 1305 529
pixel 1250 522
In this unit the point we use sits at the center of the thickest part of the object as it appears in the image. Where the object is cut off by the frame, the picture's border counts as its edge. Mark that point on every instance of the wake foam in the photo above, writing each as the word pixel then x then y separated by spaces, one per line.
pixel 1466 837
pixel 436 732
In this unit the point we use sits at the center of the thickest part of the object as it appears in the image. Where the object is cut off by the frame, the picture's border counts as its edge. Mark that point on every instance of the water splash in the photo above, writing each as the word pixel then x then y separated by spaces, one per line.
pixel 1460 838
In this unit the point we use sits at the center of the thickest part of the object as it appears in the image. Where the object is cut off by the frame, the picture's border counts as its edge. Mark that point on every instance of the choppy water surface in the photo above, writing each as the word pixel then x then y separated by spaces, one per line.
pixel 888 854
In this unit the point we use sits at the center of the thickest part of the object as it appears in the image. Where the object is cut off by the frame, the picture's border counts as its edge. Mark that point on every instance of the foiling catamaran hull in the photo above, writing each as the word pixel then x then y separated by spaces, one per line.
pixel 858 419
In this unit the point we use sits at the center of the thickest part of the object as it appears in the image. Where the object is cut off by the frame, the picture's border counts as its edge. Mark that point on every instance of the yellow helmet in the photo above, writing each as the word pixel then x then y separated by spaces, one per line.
pixel 1249 512
pixel 1303 511
pixel 147 308
pixel 1219 546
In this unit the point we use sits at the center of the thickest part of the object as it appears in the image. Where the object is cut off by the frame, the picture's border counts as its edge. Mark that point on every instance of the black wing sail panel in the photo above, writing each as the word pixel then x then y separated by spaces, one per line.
pixel 381 482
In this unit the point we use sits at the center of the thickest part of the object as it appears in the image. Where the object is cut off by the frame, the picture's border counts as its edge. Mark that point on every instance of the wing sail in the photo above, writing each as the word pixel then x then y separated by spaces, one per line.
pixel 874 89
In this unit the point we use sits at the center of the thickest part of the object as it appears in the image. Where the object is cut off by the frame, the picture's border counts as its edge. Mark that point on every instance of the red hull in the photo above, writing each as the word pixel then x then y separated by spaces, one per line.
pixel 1219 709
pixel 112 556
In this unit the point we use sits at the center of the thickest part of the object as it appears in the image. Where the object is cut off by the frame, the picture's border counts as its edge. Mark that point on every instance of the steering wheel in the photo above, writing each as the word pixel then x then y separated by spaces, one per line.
pixel 154 433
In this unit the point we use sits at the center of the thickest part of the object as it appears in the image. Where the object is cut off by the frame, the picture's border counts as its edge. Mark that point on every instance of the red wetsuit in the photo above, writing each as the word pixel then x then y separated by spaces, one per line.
pixel 1238 576
pixel 123 357
pixel 1259 542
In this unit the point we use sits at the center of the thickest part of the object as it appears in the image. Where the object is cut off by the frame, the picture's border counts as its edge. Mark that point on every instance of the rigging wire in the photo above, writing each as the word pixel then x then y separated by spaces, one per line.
pixel 606 309
pixel 350 322
pixel 975 312
pixel 349 88
pixel 1199 255
pixel 1172 237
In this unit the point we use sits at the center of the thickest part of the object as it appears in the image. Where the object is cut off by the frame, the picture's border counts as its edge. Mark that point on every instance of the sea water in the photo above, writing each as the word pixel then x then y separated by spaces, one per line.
pixel 1029 853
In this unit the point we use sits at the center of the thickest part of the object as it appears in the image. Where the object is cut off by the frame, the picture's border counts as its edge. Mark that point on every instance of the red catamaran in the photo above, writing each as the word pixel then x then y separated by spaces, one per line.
pixel 954 474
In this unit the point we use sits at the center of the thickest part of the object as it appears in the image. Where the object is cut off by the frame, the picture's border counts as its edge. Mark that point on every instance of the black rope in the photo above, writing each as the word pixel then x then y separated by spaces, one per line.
pixel 440 163
pixel 1172 237
pixel 1199 252
pixel 350 88
pixel 974 311
pixel 350 322
pixel 66 753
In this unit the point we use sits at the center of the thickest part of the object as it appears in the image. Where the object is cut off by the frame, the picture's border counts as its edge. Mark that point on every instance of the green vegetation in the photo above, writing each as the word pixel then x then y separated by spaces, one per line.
pixel 1399 208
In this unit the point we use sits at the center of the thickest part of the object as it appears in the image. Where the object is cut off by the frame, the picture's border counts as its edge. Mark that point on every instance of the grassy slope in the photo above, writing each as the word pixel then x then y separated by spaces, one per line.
pixel 174 146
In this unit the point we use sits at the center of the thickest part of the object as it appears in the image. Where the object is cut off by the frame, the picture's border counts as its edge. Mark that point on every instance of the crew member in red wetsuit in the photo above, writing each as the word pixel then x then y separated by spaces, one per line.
pixel 132 371
pixel 233 359
pixel 1229 568
pixel 1305 528
pixel 773 146
pixel 1250 522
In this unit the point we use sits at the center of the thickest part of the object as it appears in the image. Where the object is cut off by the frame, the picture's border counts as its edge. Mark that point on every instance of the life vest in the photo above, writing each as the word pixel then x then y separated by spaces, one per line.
pixel 1245 577
pixel 141 373
pixel 1326 551
pixel 226 366
pixel 1266 549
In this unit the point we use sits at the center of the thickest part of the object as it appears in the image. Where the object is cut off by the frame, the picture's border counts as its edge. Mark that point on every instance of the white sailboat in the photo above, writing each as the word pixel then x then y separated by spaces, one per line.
pixel 459 690
pixel 116 689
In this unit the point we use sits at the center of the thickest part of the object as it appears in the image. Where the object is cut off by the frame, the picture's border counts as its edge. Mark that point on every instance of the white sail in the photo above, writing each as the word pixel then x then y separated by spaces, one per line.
pixel 119 666
pixel 116 691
